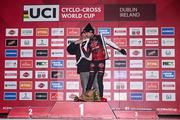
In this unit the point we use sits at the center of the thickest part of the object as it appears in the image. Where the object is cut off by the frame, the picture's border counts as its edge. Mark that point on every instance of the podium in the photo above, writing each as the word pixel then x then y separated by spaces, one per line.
pixel 81 110
pixel 69 110
pixel 78 110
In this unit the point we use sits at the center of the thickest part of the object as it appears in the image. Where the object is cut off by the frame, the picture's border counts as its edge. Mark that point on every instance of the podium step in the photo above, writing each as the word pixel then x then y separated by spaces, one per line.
pixel 40 112
pixel 29 112
pixel 81 110
pixel 136 115
pixel 19 112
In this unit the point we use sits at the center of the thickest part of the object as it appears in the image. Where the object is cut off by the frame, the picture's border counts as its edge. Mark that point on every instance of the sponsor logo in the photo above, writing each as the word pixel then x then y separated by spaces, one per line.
pixel 57 85
pixel 120 96
pixel 120 63
pixel 118 54
pixel 136 74
pixel 136 96
pixel 136 52
pixel 104 31
pixel 70 40
pixel 71 74
pixel 26 42
pixel 151 42
pixel 57 31
pixel 151 31
pixel 27 32
pixel 11 32
pixel 57 63
pixel 70 95
pixel 42 42
pixel 73 31
pixel 135 42
pixel 120 85
pixel 152 96
pixel 168 41
pixel 11 53
pixel 25 96
pixel 10 74
pixel 136 85
pixel 41 63
pixel 41 53
pixel 10 95
pixel 136 63
pixel 168 52
pixel 167 109
pixel 152 74
pixel 11 43
pixel 41 74
pixel 107 74
pixel 41 13
pixel 120 74
pixel 135 31
pixel 57 52
pixel 57 42
pixel 152 85
pixel 56 96
pixel 109 52
pixel 11 63
pixel 168 96
pixel 42 31
pixel 27 85
pixel 167 31
pixel 71 64
pixel 11 85
pixel 120 41
pixel 108 63
pixel 168 86
pixel 26 63
pixel 120 31
pixel 168 63
pixel 168 74
pixel 152 63
pixel 152 53
pixel 107 85
pixel 26 53
pixel 41 85
pixel 26 74
pixel 57 74
pixel 107 95
pixel 72 85
pixel 41 96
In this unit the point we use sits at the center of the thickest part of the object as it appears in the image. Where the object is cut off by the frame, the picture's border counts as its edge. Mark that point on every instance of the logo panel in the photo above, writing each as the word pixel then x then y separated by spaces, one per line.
pixel 11 63
pixel 27 32
pixel 11 42
pixel 41 13
pixel 42 42
pixel 10 95
pixel 26 42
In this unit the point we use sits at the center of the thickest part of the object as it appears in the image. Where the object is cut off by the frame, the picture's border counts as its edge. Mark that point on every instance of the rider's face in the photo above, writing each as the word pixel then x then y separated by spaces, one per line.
pixel 89 34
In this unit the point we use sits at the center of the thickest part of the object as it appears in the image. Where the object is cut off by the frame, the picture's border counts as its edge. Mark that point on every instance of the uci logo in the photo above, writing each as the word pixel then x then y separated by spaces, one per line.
pixel 41 13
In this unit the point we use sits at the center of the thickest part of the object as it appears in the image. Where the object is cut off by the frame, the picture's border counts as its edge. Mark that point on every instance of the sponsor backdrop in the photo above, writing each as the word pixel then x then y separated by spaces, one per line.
pixel 36 69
